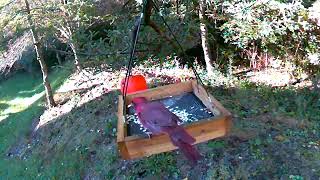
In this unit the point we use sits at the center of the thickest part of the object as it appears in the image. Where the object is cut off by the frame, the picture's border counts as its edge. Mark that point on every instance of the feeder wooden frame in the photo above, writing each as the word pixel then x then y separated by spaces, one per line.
pixel 136 146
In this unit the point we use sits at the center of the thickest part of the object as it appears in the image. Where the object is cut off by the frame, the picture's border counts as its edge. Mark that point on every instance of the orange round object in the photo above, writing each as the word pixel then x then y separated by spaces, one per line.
pixel 135 83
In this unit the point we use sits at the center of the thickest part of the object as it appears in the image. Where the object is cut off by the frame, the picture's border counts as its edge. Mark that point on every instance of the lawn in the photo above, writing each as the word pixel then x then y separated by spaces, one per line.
pixel 275 134
pixel 21 101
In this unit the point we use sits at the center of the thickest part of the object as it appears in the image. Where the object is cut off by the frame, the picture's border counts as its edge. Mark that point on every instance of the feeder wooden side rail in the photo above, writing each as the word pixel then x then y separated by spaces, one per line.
pixel 131 147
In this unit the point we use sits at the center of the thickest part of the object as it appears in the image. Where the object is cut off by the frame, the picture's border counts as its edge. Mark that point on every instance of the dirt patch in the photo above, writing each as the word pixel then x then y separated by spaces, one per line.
pixel 290 122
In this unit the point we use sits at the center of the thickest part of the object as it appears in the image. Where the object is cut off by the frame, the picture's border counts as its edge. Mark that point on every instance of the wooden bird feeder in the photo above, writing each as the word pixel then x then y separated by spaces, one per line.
pixel 135 146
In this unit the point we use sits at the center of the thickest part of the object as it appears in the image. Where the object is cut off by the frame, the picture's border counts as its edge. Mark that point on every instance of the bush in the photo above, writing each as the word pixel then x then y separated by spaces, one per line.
pixel 266 30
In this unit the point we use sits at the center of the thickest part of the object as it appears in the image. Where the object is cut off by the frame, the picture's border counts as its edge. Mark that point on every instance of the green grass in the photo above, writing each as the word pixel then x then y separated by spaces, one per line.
pixel 18 93
pixel 264 141
pixel 22 100
pixel 277 126
pixel 65 144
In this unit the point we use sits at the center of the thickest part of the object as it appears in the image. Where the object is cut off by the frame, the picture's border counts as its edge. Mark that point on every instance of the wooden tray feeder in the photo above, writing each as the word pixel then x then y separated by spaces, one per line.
pixel 133 144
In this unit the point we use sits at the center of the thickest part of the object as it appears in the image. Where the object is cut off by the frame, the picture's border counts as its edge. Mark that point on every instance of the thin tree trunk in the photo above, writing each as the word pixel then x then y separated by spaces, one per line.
pixel 40 58
pixel 58 58
pixel 67 33
pixel 177 7
pixel 204 37
pixel 76 59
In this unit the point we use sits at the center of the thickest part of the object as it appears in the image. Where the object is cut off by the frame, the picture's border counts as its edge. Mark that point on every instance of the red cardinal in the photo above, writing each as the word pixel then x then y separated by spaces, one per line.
pixel 158 119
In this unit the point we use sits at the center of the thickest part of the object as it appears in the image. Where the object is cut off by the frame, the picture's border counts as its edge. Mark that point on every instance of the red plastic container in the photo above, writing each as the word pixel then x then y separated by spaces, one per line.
pixel 136 83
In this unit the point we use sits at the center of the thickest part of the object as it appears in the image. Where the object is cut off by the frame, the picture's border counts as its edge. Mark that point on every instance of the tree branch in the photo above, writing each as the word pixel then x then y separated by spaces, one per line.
pixel 153 25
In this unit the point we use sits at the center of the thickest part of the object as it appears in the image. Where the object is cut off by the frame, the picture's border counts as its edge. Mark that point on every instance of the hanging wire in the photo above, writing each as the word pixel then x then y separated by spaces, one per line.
pixel 199 81
pixel 179 44
pixel 135 39
pixel 132 51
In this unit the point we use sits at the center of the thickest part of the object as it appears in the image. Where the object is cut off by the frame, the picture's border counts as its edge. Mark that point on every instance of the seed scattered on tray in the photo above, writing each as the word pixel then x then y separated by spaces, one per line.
pixel 182 114
pixel 187 107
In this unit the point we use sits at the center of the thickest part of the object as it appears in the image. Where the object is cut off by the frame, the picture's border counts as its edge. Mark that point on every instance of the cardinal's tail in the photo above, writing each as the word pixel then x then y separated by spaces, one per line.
pixel 189 151
pixel 183 140
pixel 179 133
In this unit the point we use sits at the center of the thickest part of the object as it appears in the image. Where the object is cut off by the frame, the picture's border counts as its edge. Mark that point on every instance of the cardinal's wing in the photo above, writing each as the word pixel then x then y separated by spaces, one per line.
pixel 157 114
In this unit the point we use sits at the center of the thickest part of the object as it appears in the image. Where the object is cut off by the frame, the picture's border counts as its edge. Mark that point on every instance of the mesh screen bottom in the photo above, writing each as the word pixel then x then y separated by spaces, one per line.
pixel 186 106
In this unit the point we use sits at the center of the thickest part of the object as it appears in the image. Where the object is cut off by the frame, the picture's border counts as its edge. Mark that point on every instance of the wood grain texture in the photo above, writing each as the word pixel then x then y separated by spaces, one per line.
pixel 162 92
pixel 131 147
pixel 202 132
pixel 121 120
pixel 208 100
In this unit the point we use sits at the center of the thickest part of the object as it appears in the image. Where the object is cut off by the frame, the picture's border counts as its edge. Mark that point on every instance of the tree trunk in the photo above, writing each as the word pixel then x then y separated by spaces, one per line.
pixel 76 59
pixel 204 37
pixel 177 7
pixel 66 31
pixel 40 58
pixel 59 59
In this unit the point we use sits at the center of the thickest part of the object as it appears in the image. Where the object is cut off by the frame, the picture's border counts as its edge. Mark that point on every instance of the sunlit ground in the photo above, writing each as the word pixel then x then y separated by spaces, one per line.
pixel 18 104
pixel 3 2
pixel 18 93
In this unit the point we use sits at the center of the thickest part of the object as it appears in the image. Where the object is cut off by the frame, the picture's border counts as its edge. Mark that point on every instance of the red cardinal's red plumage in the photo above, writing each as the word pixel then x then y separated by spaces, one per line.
pixel 158 119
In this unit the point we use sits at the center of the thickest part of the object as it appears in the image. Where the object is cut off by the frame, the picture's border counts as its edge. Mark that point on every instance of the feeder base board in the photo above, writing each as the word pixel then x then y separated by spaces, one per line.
pixel 136 146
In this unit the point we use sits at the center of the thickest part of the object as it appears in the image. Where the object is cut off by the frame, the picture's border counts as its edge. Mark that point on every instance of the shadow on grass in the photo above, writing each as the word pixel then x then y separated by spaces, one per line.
pixel 68 145
pixel 263 142
pixel 271 127
pixel 3 106
pixel 23 84
pixel 22 81
pixel 16 125
pixel 23 87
